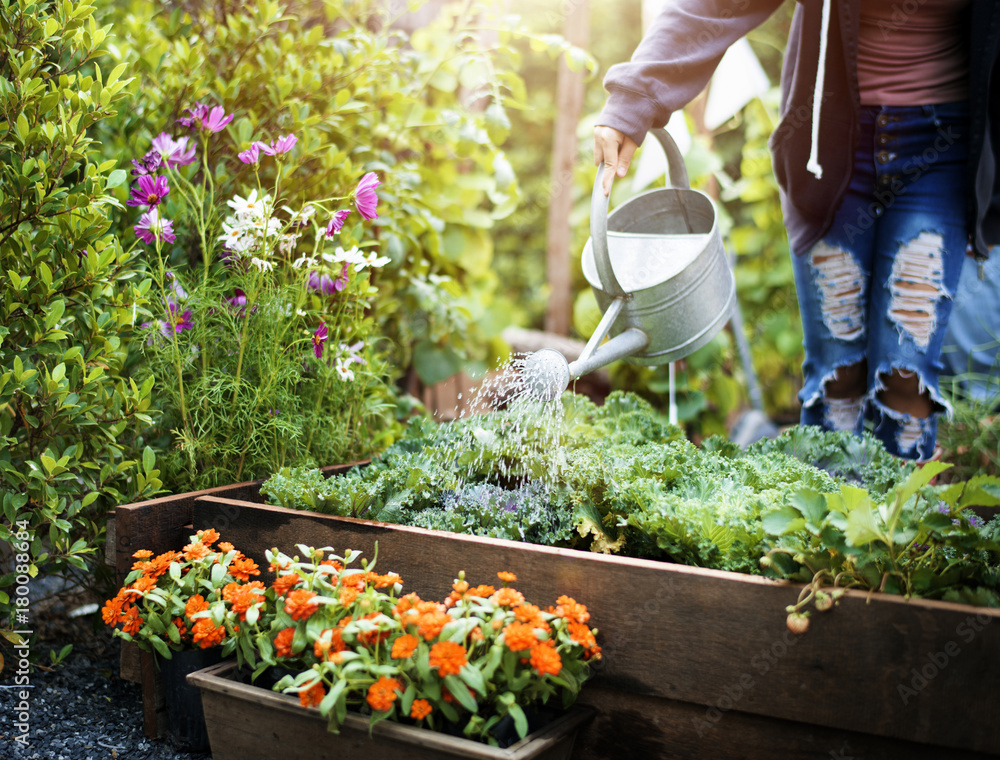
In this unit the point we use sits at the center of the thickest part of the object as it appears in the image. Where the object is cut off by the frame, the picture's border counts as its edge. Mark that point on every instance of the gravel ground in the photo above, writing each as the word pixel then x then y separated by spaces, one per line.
pixel 80 710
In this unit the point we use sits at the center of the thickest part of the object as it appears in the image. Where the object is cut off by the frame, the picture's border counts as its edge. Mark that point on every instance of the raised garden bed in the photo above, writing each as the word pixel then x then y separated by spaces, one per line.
pixel 698 662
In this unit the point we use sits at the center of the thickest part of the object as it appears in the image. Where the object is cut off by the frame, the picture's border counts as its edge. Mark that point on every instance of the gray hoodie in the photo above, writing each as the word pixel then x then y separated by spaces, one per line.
pixel 813 146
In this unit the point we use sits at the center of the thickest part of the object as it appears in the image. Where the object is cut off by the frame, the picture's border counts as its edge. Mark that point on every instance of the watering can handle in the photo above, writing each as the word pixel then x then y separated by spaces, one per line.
pixel 599 211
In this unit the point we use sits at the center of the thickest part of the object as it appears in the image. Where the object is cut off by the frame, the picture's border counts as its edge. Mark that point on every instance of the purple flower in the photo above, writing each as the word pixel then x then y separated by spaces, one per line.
pixel 151 228
pixel 198 113
pixel 337 222
pixel 147 164
pixel 251 155
pixel 179 322
pixel 341 281
pixel 365 198
pixel 174 152
pixel 148 190
pixel 318 283
pixel 238 299
pixel 319 338
pixel 278 147
pixel 217 120
pixel 175 286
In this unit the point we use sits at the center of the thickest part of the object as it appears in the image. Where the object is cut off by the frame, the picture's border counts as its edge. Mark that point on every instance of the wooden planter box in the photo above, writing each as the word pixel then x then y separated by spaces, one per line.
pixel 246 721
pixel 160 525
pixel 698 663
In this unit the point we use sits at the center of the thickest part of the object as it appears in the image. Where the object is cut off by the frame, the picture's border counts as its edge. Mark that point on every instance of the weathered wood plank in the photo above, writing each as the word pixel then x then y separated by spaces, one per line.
pixel 889 668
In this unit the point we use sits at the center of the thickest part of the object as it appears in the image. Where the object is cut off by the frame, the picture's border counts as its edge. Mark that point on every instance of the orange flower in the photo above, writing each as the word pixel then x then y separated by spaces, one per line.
pixel 283 642
pixel 112 610
pixel 284 583
pixel 404 605
pixel 582 635
pixel 382 693
pixel 143 584
pixel 312 696
pixel 347 596
pixel 420 709
pixel 545 659
pixel 300 604
pixel 131 622
pixel 195 551
pixel 484 592
pixel 324 649
pixel 275 567
pixel 207 634
pixel 195 604
pixel 403 647
pixel 143 554
pixel 225 547
pixel 371 638
pixel 460 587
pixel 208 536
pixel 159 565
pixel 242 597
pixel 430 623
pixel 241 568
pixel 448 657
pixel 389 579
pixel 570 609
pixel 507 577
pixel 476 634
pixel 181 627
pixel 508 597
pixel 529 613
pixel 333 563
pixel 519 636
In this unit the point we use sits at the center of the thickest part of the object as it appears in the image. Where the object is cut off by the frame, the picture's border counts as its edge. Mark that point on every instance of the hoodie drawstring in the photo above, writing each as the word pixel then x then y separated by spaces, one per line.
pixel 813 165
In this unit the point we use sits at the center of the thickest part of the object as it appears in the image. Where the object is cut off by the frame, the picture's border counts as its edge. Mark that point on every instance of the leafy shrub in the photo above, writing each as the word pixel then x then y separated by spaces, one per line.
pixel 70 418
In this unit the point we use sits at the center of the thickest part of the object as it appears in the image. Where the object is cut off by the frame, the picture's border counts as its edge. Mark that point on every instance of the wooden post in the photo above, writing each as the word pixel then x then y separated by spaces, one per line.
pixel 569 104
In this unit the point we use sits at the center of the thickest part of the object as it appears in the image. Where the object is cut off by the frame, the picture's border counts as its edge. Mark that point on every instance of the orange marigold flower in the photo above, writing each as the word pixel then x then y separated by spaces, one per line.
pixel 143 584
pixel 389 579
pixel 407 603
pixel 545 659
pixel 195 604
pixel 160 564
pixel 242 568
pixel 460 586
pixel 143 554
pixel 371 638
pixel 507 577
pixel 430 623
pixel 283 642
pixel 570 609
pixel 112 610
pixel 382 693
pixel 195 551
pixel 420 709
pixel 519 636
pixel 181 627
pixel 301 603
pixel 333 563
pixel 476 634
pixel 208 536
pixel 225 547
pixel 312 696
pixel 484 592
pixel 275 566
pixel 508 597
pixel 529 613
pixel 403 647
pixel 325 649
pixel 448 657
pixel 242 597
pixel 207 634
pixel 131 622
pixel 284 583
pixel 347 596
pixel 582 635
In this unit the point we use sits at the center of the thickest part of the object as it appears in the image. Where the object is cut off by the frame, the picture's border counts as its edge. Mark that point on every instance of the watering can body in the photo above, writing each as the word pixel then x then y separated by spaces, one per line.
pixel 660 255
pixel 660 274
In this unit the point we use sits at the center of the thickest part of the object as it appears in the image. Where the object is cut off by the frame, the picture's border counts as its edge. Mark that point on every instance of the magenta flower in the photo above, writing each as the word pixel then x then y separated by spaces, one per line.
pixel 238 299
pixel 179 322
pixel 319 338
pixel 251 155
pixel 174 152
pixel 337 222
pixel 217 120
pixel 147 164
pixel 151 228
pixel 148 190
pixel 197 115
pixel 175 286
pixel 278 147
pixel 364 196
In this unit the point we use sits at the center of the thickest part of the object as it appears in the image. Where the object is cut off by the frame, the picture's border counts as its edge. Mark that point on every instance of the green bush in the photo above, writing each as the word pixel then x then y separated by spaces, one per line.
pixel 70 419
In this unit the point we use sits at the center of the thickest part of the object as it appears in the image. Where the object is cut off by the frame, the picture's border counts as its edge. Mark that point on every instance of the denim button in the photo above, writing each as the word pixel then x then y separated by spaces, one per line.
pixel 883 120
pixel 883 139
pixel 883 157
pixel 885 180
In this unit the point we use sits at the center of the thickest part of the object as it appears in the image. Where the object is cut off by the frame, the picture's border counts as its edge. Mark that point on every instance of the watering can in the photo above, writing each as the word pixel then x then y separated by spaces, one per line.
pixel 660 274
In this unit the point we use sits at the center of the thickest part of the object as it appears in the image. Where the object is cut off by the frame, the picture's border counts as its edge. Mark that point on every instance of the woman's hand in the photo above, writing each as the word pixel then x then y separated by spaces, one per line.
pixel 615 150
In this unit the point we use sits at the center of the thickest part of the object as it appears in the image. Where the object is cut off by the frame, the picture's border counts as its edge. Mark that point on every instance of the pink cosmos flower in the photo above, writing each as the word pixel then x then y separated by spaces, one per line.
pixel 174 152
pixel 151 228
pixel 365 198
pixel 337 222
pixel 179 322
pixel 320 283
pixel 148 190
pixel 278 147
pixel 319 338
pixel 251 155
pixel 197 115
pixel 217 120
pixel 147 164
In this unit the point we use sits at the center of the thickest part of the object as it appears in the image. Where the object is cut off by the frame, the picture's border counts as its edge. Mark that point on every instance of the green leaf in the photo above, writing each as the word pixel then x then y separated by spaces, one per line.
pixel 116 177
pixel 148 460
pixel 782 521
pixel 812 505
pixel 520 720
pixel 862 527
pixel 460 692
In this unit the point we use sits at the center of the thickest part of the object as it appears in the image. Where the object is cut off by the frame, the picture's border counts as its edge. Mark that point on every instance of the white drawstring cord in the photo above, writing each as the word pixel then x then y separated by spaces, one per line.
pixel 813 164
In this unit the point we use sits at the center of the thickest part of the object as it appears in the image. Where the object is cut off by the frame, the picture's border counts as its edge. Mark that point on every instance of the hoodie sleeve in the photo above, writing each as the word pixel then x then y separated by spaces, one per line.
pixel 675 60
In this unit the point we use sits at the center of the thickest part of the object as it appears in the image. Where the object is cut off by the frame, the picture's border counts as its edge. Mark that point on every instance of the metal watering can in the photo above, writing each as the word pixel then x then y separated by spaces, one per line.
pixel 660 274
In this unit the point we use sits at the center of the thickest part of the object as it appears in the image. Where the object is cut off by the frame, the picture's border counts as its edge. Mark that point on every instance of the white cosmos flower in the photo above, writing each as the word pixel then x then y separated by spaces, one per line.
pixel 305 261
pixel 372 260
pixel 344 371
pixel 251 206
pixel 353 256
pixel 264 266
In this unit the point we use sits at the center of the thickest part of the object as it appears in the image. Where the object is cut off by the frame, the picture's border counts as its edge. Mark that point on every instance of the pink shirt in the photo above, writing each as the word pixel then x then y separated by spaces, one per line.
pixel 913 52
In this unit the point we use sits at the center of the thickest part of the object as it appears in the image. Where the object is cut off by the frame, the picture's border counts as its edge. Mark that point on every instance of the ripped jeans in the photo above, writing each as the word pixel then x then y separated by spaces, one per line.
pixel 877 290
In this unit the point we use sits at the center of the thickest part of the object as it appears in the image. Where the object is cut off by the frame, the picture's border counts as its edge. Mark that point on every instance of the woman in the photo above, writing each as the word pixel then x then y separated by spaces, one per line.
pixel 885 159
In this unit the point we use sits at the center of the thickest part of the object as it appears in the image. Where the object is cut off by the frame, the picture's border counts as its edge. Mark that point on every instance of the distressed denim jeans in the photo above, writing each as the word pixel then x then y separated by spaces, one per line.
pixel 878 288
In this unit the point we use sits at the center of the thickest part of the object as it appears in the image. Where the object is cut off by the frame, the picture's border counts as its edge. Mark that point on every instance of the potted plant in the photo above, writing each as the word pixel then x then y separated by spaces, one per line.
pixel 185 605
pixel 485 664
